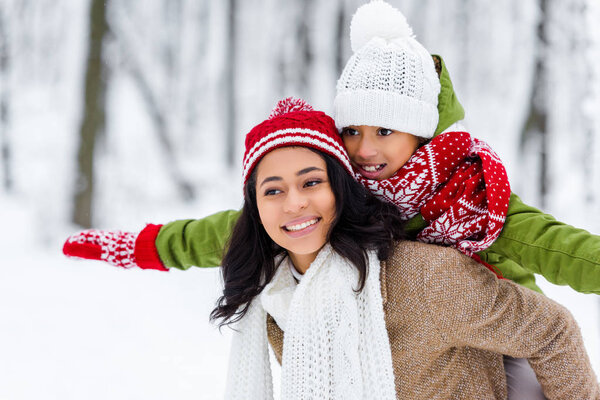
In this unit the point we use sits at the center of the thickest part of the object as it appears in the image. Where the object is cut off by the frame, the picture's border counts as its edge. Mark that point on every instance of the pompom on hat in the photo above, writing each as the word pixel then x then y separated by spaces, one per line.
pixel 293 122
pixel 390 81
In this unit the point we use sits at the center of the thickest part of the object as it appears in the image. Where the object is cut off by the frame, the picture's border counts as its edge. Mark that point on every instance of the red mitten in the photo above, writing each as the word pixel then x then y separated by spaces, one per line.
pixel 121 249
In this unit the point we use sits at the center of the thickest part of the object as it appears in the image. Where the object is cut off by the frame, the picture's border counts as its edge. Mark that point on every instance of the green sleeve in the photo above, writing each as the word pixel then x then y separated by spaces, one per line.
pixel 540 244
pixel 413 226
pixel 196 242
pixel 449 108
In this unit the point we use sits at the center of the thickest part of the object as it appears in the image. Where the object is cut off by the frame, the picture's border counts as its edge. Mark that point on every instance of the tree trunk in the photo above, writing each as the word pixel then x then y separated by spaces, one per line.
pixel 229 83
pixel 340 35
pixel 93 121
pixel 537 121
pixel 5 153
pixel 306 54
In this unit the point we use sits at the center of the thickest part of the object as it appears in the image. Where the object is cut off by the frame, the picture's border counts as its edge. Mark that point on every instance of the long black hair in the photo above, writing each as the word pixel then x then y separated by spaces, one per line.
pixel 362 222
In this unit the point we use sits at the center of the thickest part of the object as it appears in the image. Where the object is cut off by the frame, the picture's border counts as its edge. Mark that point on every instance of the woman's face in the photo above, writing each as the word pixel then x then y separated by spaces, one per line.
pixel 295 202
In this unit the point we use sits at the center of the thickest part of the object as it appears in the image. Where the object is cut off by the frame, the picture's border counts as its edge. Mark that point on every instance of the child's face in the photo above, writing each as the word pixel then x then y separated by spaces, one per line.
pixel 378 153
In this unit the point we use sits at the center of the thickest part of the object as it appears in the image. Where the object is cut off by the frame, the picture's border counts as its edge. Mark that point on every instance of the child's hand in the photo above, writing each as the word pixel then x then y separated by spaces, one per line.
pixel 114 247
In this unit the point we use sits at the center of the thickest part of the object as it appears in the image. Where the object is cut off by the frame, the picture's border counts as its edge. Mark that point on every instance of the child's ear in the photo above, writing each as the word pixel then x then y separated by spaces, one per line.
pixel 438 65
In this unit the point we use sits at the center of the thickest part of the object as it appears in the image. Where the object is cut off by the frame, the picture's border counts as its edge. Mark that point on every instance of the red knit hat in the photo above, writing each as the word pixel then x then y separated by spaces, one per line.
pixel 293 122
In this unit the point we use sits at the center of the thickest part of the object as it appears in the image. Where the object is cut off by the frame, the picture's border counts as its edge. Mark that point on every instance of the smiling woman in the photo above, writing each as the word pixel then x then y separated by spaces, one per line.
pixel 295 202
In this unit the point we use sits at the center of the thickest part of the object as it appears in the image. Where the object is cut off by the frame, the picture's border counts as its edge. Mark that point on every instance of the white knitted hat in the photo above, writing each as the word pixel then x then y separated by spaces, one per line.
pixel 390 81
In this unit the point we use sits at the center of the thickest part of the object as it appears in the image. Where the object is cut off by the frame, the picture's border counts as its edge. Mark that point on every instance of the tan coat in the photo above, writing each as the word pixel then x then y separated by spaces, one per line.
pixel 449 321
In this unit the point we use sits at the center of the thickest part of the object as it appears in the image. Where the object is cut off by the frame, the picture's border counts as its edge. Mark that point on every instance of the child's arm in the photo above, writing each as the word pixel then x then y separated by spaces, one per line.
pixel 178 244
pixel 563 254
pixel 196 242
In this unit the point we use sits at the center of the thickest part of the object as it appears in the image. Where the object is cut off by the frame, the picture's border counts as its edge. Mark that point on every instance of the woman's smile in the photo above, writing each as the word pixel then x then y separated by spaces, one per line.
pixel 301 226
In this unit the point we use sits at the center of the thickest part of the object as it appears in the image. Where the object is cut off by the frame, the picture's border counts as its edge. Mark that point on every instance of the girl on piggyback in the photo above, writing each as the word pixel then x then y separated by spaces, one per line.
pixel 400 122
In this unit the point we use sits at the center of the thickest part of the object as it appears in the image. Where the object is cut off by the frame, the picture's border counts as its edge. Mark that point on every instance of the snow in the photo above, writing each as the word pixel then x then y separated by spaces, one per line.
pixel 83 330
pixel 73 329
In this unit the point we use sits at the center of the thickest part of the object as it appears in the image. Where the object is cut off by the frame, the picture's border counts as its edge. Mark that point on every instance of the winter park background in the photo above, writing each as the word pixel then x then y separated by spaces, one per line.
pixel 157 95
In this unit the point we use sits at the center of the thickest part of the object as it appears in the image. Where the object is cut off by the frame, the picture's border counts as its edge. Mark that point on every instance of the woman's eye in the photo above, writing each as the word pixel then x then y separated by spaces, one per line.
pixel 349 132
pixel 312 182
pixel 385 132
pixel 272 192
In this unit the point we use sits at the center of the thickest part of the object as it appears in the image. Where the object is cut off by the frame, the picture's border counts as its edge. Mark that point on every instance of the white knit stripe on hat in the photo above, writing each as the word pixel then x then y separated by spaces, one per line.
pixel 335 344
pixel 299 136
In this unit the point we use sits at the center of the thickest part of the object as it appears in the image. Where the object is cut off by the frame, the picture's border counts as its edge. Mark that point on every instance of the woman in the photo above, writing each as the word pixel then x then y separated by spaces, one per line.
pixel 364 315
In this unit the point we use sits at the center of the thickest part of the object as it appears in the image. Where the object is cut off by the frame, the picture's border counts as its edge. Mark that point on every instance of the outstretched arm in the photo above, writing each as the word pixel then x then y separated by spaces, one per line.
pixel 178 244
pixel 196 242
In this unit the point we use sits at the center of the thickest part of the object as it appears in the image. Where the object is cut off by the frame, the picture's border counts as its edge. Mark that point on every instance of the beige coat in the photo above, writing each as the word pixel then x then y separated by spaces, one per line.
pixel 449 322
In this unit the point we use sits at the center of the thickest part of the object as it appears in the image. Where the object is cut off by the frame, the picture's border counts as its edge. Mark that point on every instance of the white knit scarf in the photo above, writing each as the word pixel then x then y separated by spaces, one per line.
pixel 335 344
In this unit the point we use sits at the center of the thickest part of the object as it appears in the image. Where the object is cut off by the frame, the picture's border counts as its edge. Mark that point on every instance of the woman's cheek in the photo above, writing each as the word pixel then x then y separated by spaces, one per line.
pixel 267 210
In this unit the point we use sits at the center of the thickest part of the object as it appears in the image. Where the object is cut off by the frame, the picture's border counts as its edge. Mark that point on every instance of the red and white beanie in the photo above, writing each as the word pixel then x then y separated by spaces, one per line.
pixel 293 122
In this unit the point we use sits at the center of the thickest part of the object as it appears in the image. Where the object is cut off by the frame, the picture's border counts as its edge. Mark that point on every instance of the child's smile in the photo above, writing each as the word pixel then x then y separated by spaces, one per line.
pixel 370 171
pixel 378 153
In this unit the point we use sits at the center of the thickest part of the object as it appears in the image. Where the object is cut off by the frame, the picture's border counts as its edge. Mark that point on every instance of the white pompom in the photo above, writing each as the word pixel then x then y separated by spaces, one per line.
pixel 288 105
pixel 377 19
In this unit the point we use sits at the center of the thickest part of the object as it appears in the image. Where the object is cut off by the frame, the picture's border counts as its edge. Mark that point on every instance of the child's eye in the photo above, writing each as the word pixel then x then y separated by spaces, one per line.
pixel 349 132
pixel 385 132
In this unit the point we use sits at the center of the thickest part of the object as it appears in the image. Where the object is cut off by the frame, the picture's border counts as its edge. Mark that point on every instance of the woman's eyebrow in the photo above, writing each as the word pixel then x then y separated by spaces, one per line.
pixel 270 179
pixel 307 170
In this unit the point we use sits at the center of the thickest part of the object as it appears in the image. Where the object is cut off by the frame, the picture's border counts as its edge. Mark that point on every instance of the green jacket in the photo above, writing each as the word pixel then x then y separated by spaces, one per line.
pixel 531 242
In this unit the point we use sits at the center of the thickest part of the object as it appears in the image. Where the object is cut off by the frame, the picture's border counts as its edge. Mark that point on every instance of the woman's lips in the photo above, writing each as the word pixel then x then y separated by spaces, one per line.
pixel 301 227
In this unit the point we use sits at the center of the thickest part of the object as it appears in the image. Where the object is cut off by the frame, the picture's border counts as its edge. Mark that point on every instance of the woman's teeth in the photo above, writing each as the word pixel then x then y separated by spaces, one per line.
pixel 302 225
pixel 373 168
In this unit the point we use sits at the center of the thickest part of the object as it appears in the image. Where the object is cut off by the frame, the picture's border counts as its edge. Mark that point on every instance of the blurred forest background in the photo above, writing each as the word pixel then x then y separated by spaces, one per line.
pixel 106 105
pixel 114 113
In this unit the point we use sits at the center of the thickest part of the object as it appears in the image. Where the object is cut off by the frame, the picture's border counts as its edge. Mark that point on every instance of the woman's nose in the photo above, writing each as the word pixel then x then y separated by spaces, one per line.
pixel 295 201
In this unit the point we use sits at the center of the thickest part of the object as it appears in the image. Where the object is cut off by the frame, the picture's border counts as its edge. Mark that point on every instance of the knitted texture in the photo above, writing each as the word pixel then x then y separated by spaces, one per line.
pixel 293 122
pixel 449 321
pixel 390 81
pixel 249 375
pixel 145 252
pixel 459 186
pixel 336 344
pixel 121 249
pixel 113 247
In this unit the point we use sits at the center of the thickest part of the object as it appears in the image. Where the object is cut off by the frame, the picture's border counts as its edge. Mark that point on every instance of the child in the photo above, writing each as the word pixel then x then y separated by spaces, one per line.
pixel 529 242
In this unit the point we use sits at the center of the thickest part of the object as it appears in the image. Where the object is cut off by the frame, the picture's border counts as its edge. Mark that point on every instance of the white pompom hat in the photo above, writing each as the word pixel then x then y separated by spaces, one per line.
pixel 390 81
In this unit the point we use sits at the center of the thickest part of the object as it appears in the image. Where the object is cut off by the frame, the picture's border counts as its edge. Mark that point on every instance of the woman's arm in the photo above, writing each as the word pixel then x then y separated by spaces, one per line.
pixel 478 310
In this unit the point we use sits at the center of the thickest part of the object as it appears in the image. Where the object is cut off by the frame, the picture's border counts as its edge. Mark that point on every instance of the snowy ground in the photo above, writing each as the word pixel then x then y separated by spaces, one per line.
pixel 85 330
